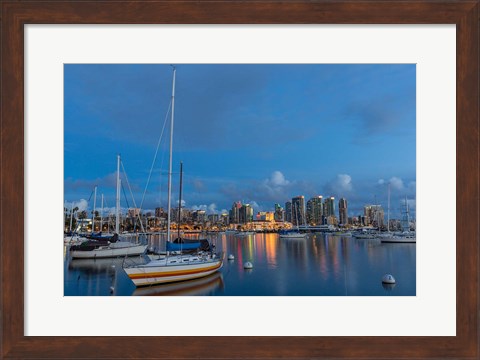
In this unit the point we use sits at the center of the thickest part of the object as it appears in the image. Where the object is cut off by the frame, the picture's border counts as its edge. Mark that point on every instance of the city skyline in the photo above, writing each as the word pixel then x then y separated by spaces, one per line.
pixel 260 134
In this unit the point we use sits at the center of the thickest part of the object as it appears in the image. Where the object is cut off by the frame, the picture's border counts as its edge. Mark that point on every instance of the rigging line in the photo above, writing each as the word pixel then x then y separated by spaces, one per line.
pixel 133 199
pixel 91 194
pixel 125 196
pixel 156 153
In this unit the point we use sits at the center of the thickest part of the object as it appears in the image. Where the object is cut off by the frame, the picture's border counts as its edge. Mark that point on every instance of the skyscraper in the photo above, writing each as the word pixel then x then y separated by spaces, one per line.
pixel 314 210
pixel 342 211
pixel 279 213
pixel 245 214
pixel 288 211
pixel 235 212
pixel 329 207
pixel 298 210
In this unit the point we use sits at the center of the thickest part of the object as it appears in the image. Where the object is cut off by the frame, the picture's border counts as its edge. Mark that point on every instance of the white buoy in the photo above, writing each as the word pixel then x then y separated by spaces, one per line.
pixel 388 279
pixel 248 265
pixel 231 257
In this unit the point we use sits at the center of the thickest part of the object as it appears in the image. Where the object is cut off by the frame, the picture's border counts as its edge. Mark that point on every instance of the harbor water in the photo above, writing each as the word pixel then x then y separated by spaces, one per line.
pixel 318 265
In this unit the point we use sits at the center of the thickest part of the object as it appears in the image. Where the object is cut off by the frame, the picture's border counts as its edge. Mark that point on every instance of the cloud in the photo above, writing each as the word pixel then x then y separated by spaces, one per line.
pixel 210 209
pixel 256 207
pixel 339 186
pixel 183 203
pixel 396 183
pixel 82 205
pixel 274 188
pixel 277 179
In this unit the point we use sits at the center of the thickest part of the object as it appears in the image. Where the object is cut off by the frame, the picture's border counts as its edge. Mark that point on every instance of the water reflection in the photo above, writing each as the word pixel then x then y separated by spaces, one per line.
pixel 204 286
pixel 317 265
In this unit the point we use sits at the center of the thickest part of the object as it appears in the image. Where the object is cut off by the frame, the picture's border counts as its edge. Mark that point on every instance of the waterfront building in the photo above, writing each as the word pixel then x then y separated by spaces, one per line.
pixel 314 210
pixel 265 216
pixel 331 220
pixel 199 216
pixel 224 219
pixel 133 212
pixel 214 218
pixel 245 214
pixel 235 213
pixel 298 210
pixel 288 211
pixel 374 215
pixel 279 214
pixel 329 206
pixel 342 211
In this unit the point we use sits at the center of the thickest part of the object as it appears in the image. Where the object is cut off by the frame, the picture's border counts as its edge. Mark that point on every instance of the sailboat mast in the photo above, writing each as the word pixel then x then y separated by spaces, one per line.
pixel 71 218
pixel 407 214
pixel 117 199
pixel 101 216
pixel 388 209
pixel 180 200
pixel 170 159
pixel 94 208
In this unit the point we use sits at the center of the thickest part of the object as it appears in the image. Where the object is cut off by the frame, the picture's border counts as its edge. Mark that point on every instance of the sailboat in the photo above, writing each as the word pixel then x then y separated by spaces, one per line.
pixel 108 246
pixel 180 263
pixel 292 234
pixel 405 236
pixel 388 234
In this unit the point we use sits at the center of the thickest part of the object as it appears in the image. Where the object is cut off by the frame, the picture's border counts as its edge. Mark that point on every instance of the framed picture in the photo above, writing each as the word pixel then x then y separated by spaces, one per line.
pixel 239 332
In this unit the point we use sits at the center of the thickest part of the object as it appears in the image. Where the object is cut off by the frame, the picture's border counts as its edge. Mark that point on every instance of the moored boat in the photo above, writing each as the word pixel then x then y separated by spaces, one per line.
pixel 190 260
pixel 108 246
pixel 291 234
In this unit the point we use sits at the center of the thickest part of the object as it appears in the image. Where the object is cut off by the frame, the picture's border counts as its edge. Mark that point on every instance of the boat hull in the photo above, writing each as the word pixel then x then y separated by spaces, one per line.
pixel 150 274
pixel 293 236
pixel 108 252
pixel 399 240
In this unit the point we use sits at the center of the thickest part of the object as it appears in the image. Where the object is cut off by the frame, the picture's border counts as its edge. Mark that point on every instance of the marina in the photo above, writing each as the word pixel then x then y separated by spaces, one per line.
pixel 320 264
pixel 237 231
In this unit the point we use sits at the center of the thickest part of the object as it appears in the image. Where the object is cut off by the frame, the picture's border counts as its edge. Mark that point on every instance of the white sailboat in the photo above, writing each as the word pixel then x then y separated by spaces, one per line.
pixel 405 236
pixel 106 246
pixel 180 266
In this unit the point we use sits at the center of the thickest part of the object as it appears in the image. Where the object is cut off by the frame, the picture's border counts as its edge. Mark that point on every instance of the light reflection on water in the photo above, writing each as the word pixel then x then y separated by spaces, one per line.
pixel 319 265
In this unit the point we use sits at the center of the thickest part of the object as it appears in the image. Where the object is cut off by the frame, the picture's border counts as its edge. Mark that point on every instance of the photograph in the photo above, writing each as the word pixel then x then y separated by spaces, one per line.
pixel 239 179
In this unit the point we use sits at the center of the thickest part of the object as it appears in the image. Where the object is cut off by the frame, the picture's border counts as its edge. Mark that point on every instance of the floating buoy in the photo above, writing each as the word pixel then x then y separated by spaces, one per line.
pixel 388 287
pixel 388 279
pixel 112 289
pixel 231 257
pixel 248 265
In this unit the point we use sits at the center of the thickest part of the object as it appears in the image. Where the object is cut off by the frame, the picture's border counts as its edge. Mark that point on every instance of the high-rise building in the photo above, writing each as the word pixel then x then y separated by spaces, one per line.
pixel 342 211
pixel 329 207
pixel 298 210
pixel 279 214
pixel 245 214
pixel 314 210
pixel 235 213
pixel 199 216
pixel 288 211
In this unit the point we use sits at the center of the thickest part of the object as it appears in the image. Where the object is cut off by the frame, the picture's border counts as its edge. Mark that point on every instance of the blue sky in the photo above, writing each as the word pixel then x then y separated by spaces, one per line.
pixel 260 134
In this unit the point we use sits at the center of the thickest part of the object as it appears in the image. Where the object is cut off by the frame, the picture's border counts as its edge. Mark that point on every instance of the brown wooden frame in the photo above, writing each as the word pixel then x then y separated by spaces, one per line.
pixel 14 14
